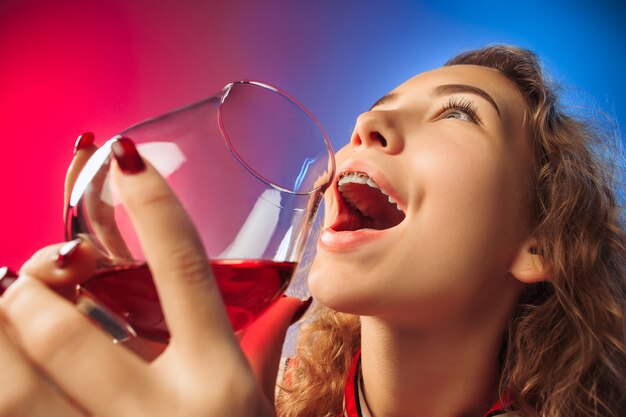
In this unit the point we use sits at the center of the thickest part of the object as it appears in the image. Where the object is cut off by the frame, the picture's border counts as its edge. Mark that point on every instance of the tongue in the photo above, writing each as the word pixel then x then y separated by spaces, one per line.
pixel 351 220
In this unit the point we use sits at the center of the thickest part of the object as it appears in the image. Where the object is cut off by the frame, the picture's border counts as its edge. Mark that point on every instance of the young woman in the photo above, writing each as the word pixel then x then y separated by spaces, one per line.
pixel 480 270
pixel 507 276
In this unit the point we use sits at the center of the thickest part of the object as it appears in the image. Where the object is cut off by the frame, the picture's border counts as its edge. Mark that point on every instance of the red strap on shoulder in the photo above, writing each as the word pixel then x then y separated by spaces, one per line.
pixel 503 402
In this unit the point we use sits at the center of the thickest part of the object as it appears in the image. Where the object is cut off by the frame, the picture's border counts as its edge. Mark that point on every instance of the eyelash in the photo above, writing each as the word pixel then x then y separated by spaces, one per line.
pixel 464 105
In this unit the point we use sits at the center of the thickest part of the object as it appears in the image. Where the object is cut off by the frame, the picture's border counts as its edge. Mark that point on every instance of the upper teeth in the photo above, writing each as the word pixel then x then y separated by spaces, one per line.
pixel 357 177
pixel 361 178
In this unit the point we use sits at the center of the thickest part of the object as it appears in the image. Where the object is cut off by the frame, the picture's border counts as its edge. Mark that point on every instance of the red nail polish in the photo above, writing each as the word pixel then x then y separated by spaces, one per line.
pixel 297 315
pixel 66 253
pixel 7 277
pixel 84 140
pixel 127 156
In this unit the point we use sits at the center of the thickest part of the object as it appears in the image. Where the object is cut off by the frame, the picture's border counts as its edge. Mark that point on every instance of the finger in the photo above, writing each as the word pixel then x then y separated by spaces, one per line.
pixel 63 265
pixel 83 149
pixel 146 349
pixel 100 213
pixel 191 301
pixel 73 353
pixel 24 391
pixel 79 265
pixel 262 342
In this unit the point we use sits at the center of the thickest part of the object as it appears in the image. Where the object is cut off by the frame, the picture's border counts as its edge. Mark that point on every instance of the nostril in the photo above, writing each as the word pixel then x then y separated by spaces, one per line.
pixel 377 136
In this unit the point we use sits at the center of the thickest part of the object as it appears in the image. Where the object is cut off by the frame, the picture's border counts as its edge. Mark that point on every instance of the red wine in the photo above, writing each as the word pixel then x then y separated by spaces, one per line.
pixel 248 287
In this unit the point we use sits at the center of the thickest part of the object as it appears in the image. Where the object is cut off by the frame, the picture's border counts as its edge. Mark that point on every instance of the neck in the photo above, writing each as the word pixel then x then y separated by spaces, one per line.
pixel 446 370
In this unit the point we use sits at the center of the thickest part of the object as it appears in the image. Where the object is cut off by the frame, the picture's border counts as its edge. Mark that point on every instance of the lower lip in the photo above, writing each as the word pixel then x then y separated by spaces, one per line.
pixel 344 241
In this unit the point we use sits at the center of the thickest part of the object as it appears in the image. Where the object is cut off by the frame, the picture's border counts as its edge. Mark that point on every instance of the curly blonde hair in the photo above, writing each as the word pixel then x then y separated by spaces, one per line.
pixel 564 351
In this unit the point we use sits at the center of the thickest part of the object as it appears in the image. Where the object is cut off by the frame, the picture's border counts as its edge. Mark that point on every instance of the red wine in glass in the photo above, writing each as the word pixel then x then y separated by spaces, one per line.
pixel 248 287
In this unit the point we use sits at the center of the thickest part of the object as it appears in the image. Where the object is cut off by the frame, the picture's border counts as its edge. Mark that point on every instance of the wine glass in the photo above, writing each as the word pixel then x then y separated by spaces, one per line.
pixel 250 166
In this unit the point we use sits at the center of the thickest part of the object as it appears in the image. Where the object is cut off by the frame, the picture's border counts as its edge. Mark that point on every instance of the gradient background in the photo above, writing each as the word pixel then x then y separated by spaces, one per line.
pixel 68 66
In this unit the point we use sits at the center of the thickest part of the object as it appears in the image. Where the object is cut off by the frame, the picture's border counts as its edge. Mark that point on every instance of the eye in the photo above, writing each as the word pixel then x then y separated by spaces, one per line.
pixel 461 109
pixel 456 114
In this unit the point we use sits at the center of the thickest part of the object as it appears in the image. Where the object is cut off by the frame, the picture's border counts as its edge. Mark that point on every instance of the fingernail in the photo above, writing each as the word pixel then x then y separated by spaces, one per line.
pixel 7 278
pixel 84 140
pixel 66 253
pixel 127 156
pixel 297 315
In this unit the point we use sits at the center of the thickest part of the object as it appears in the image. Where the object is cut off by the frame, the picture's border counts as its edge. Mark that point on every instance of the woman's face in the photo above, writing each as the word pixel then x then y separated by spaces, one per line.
pixel 450 147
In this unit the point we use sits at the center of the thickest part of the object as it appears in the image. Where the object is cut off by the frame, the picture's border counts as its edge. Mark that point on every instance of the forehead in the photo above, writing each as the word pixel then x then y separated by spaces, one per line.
pixel 503 91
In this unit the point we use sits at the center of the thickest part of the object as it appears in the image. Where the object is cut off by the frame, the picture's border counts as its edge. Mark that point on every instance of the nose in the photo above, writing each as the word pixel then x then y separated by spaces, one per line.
pixel 375 128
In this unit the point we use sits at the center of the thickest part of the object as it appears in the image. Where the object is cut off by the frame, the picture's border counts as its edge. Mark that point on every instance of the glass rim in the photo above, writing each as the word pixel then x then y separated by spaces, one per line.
pixel 104 151
pixel 332 166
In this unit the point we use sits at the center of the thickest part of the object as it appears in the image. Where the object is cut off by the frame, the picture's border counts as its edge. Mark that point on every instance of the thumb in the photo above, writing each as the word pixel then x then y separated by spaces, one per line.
pixel 262 342
pixel 83 149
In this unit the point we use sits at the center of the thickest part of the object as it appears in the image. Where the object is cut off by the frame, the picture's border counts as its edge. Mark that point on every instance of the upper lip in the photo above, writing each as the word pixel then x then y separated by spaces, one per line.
pixel 375 173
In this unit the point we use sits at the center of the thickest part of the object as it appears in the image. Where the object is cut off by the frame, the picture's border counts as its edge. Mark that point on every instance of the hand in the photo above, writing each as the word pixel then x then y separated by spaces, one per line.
pixel 64 280
pixel 202 372
pixel 25 391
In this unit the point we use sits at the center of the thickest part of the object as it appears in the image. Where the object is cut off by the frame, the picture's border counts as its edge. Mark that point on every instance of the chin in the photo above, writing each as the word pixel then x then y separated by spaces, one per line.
pixel 326 287
pixel 322 285
pixel 334 289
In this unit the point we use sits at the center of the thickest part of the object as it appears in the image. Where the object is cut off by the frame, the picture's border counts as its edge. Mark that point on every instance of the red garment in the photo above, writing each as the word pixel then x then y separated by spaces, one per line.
pixel 354 404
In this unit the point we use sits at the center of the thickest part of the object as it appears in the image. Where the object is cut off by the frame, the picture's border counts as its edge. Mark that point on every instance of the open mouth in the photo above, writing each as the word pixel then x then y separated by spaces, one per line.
pixel 364 205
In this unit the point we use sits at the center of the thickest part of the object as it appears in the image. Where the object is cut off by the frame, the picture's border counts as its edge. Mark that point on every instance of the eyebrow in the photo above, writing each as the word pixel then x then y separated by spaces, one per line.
pixel 387 98
pixel 443 90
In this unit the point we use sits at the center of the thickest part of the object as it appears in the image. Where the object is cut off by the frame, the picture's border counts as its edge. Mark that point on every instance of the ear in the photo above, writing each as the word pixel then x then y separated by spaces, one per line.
pixel 528 266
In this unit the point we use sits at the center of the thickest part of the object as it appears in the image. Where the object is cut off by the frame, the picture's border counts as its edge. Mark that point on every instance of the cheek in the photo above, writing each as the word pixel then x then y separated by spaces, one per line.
pixel 469 201
pixel 464 177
